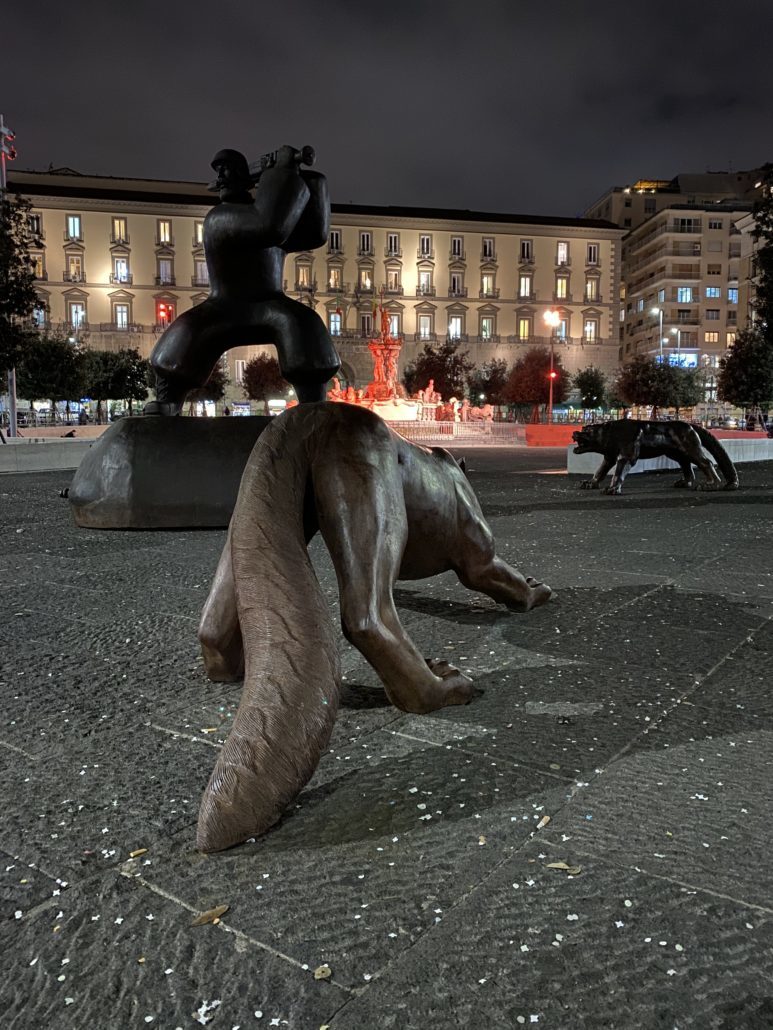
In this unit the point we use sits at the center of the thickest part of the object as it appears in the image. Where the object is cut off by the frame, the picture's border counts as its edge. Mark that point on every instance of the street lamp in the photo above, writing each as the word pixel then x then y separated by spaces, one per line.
pixel 659 313
pixel 551 318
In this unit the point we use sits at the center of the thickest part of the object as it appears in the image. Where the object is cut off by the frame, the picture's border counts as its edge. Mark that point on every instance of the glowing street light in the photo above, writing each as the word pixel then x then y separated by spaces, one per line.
pixel 551 318
pixel 678 334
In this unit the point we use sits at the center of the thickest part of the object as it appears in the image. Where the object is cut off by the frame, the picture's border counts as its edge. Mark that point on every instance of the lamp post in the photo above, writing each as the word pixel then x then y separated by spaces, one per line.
pixel 551 318
pixel 659 313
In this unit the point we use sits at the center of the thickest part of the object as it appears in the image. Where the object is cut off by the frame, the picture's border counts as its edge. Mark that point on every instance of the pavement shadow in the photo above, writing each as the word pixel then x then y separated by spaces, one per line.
pixel 454 611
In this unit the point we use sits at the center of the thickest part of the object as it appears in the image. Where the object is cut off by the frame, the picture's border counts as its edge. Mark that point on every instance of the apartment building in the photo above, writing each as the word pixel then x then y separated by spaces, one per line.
pixel 119 259
pixel 681 271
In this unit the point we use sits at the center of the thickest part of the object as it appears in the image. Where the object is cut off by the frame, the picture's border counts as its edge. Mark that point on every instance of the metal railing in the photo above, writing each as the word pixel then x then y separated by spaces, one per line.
pixel 201 282
pixel 491 293
pixel 125 278
pixel 73 277
pixel 461 256
pixel 457 291
pixel 165 280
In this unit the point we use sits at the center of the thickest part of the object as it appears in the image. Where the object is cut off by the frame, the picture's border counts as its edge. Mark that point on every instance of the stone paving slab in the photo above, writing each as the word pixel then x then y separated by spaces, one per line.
pixel 608 948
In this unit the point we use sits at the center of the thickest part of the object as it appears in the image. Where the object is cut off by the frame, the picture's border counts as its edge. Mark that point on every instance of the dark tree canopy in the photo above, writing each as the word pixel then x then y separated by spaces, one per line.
pixel 212 390
pixel 131 376
pixel 17 281
pixel 529 379
pixel 763 236
pixel 445 363
pixel 49 368
pixel 746 371
pixel 262 379
pixel 489 380
pixel 653 383
pixel 592 384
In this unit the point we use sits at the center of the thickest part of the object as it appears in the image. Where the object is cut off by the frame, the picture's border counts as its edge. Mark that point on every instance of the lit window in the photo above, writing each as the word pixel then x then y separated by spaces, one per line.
pixel 562 291
pixel 334 278
pixel 304 275
pixel 715 292
pixel 455 327
pixel 164 312
pixel 457 282
pixel 35 224
pixel 425 327
pixel 526 250
pixel 334 323
pixel 394 325
pixel 366 323
pixel 425 245
pixel 661 296
pixel 457 246
pixel 524 286
pixel 425 282
pixel 121 316
pixel 524 328
pixel 76 313
pixel 711 337
pixel 74 227
pixel 591 289
pixel 486 327
pixel 74 269
pixel 591 329
pixel 562 253
pixel 366 242
pixel 239 364
pixel 334 241
pixel 732 295
pixel 120 233
pixel 487 249
pixel 165 273
pixel 562 329
pixel 640 304
pixel 200 273
pixel 487 285
pixel 393 243
pixel 198 232
pixel 121 270
pixel 164 230
pixel 366 283
pixel 729 339
pixel 393 279
pixel 684 294
pixel 37 266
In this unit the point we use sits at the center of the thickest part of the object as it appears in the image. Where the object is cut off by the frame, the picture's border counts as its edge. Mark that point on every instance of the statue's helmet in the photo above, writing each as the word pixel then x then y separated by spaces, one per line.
pixel 235 161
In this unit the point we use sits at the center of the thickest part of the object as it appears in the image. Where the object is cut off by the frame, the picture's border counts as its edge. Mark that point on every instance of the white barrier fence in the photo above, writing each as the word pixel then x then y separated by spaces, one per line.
pixel 754 449
pixel 471 433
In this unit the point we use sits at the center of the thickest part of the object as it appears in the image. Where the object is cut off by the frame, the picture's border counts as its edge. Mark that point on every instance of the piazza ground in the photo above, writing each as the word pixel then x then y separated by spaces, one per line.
pixel 586 845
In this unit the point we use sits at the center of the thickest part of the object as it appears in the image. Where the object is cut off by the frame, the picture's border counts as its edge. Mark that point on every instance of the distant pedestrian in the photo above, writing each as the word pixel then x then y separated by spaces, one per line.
pixel 83 418
pixel 226 410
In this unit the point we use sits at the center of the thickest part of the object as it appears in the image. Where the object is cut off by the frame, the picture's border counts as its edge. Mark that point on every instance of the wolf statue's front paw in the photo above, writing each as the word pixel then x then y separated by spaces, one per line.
pixel 456 688
pixel 614 490
pixel 589 484
pixel 682 483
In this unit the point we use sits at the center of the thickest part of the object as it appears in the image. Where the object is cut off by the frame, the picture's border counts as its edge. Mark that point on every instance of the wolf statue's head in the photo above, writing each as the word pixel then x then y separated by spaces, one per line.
pixel 589 438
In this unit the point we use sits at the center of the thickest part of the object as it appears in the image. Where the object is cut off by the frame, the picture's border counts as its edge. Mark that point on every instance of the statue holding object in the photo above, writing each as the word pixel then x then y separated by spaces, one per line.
pixel 245 243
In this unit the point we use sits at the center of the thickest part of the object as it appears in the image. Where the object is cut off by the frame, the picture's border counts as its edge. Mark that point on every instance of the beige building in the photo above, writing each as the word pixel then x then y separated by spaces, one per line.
pixel 121 258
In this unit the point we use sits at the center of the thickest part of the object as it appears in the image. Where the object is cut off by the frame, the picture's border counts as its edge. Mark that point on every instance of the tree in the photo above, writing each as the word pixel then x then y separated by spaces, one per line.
pixel 212 390
pixel 50 368
pixel 489 380
pixel 762 212
pixel 658 384
pixel 101 376
pixel 130 376
pixel 17 280
pixel 262 379
pixel 592 384
pixel 444 363
pixel 746 371
pixel 529 380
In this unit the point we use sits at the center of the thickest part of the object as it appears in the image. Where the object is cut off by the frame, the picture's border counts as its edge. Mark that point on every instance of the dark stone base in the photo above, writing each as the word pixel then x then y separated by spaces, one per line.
pixel 164 473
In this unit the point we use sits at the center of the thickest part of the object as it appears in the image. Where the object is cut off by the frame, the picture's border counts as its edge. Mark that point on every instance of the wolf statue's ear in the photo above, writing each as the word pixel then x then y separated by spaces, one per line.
pixel 462 465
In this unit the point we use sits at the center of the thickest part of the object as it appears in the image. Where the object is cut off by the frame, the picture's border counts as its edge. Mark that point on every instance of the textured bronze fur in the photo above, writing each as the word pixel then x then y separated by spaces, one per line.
pixel 623 442
pixel 386 509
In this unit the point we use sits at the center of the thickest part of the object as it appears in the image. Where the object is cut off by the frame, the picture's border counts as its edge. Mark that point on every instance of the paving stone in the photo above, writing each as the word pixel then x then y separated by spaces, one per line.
pixel 119 955
pixel 608 948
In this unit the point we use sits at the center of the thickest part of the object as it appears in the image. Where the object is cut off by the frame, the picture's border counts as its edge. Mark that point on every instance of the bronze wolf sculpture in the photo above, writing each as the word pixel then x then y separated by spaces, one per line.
pixel 387 509
pixel 623 442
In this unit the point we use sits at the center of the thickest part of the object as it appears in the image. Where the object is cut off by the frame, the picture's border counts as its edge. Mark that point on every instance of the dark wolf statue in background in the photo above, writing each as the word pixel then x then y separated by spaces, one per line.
pixel 387 510
pixel 623 442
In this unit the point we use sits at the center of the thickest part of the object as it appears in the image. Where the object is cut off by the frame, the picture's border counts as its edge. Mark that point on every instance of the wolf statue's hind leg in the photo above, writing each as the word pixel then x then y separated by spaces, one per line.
pixel 219 632
pixel 695 453
pixel 363 521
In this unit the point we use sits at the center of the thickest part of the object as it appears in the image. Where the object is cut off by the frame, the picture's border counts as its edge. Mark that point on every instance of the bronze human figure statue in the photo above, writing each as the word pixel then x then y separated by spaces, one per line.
pixel 245 243
pixel 387 510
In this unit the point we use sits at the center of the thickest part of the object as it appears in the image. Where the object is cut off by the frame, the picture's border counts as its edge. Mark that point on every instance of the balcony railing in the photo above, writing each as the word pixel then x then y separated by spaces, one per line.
pixel 123 278
pixel 424 290
pixel 457 291
pixel 73 238
pixel 362 288
pixel 393 252
pixel 491 292
pixel 340 288
pixel 566 298
pixel 366 251
pixel 487 338
pixel 566 263
pixel 424 337
pixel 73 277
pixel 165 280
pixel 306 287
pixel 488 255
pixel 526 259
pixel 425 255
pixel 394 290
pixel 116 327
pixel 119 238
pixel 457 338
pixel 202 281
pixel 528 297
pixel 196 242
pixel 597 299
pixel 164 243
pixel 335 251
pixel 41 276
pixel 460 256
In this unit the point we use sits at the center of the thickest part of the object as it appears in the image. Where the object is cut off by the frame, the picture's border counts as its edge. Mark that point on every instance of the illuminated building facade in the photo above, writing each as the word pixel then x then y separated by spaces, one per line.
pixel 120 258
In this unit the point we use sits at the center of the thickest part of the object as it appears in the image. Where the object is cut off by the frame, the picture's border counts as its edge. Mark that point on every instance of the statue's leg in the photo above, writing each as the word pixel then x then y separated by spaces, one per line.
pixel 595 482
pixel 305 350
pixel 697 457
pixel 362 518
pixel 618 476
pixel 186 353
pixel 219 632
pixel 688 476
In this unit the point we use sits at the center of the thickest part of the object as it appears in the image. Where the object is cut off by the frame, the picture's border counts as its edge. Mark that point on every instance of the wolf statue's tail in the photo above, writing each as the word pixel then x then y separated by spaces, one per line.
pixel 720 455
pixel 292 675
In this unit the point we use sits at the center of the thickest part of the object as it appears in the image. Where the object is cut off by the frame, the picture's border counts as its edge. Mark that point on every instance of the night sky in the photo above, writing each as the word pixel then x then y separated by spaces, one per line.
pixel 509 106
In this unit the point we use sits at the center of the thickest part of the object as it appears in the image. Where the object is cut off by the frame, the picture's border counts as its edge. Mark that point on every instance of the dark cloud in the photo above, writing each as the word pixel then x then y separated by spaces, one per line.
pixel 501 105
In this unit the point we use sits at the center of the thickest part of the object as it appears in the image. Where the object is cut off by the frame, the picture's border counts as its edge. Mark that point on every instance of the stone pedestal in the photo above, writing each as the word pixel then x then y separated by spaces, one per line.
pixel 164 473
